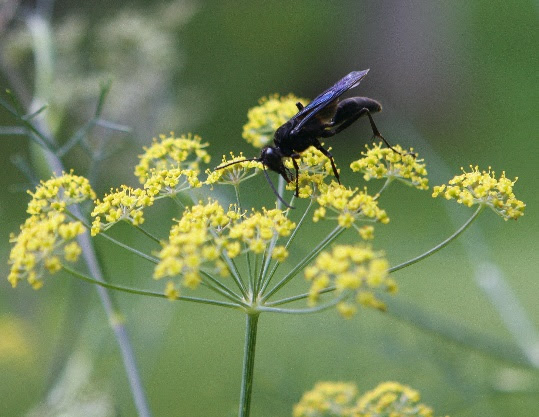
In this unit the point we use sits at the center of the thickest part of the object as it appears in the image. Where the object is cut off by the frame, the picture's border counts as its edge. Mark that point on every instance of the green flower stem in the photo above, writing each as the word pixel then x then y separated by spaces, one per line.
pixel 297 297
pixel 292 236
pixel 389 180
pixel 116 242
pixel 147 293
pixel 316 309
pixel 248 364
pixel 330 238
pixel 235 273
pixel 223 290
pixel 154 238
pixel 177 200
pixel 232 268
pixel 442 244
pixel 237 190
pixel 249 268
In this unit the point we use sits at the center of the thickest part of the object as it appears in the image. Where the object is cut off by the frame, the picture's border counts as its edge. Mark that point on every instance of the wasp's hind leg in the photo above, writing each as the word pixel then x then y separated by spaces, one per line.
pixel 351 109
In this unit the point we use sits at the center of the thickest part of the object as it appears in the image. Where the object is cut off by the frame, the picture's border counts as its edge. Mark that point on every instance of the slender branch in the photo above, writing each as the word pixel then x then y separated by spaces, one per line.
pixel 145 292
pixel 440 245
pixel 223 290
pixel 316 309
pixel 154 238
pixel 297 297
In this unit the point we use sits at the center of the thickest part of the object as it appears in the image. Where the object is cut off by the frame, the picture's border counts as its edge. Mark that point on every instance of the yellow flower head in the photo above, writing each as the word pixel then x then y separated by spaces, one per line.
pixel 169 182
pixel 195 242
pixel 260 228
pixel 391 399
pixel 477 187
pixel 233 174
pixel 380 162
pixel 121 204
pixel 267 117
pixel 184 152
pixel 59 192
pixel 351 268
pixel 41 244
pixel 327 399
pixel 314 167
pixel 349 206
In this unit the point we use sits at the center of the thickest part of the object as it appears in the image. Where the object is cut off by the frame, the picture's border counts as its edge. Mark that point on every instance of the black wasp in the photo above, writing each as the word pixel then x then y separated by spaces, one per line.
pixel 323 117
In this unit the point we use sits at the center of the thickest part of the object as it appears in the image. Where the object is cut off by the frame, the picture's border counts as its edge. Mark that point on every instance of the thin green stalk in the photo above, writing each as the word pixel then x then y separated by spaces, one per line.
pixel 154 238
pixel 386 184
pixel 218 287
pixel 235 273
pixel 237 190
pixel 248 365
pixel 267 279
pixel 297 297
pixel 330 238
pixel 316 309
pixel 129 248
pixel 117 242
pixel 440 245
pixel 145 292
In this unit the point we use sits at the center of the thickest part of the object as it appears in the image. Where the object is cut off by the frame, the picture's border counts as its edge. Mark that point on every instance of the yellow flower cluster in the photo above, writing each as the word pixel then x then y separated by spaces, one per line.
pixel 477 187
pixel 40 245
pixel 169 182
pixel 257 230
pixel 314 167
pixel 195 241
pixel 206 231
pixel 327 399
pixel 340 399
pixel 391 399
pixel 354 269
pixel 270 114
pixel 47 236
pixel 122 204
pixel 184 152
pixel 380 162
pixel 350 206
pixel 233 174
pixel 59 192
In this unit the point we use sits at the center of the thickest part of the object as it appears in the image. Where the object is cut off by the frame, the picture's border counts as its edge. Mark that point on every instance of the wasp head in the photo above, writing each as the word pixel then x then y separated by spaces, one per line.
pixel 272 157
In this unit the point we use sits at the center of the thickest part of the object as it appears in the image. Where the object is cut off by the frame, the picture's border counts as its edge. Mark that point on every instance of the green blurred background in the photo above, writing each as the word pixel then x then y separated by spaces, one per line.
pixel 459 83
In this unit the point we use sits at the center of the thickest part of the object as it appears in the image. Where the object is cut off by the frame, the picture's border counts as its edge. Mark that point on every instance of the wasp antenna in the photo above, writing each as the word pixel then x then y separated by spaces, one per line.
pixel 274 190
pixel 236 162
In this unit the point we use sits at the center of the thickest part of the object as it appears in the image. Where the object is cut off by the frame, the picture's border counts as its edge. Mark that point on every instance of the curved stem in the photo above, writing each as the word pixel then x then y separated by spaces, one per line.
pixel 440 245
pixel 147 293
pixel 116 242
pixel 221 289
pixel 248 365
pixel 297 297
pixel 316 309
pixel 152 237
pixel 386 184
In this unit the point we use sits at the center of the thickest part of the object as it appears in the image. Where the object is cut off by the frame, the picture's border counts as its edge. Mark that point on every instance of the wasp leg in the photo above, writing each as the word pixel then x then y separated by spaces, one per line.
pixel 351 109
pixel 318 146
pixel 299 106
pixel 296 167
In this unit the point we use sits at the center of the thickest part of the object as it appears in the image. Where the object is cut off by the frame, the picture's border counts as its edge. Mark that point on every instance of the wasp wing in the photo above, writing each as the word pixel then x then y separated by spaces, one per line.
pixel 327 97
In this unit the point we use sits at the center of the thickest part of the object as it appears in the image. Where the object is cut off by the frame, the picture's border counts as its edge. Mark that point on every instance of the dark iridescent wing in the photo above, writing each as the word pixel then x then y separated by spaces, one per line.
pixel 327 97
